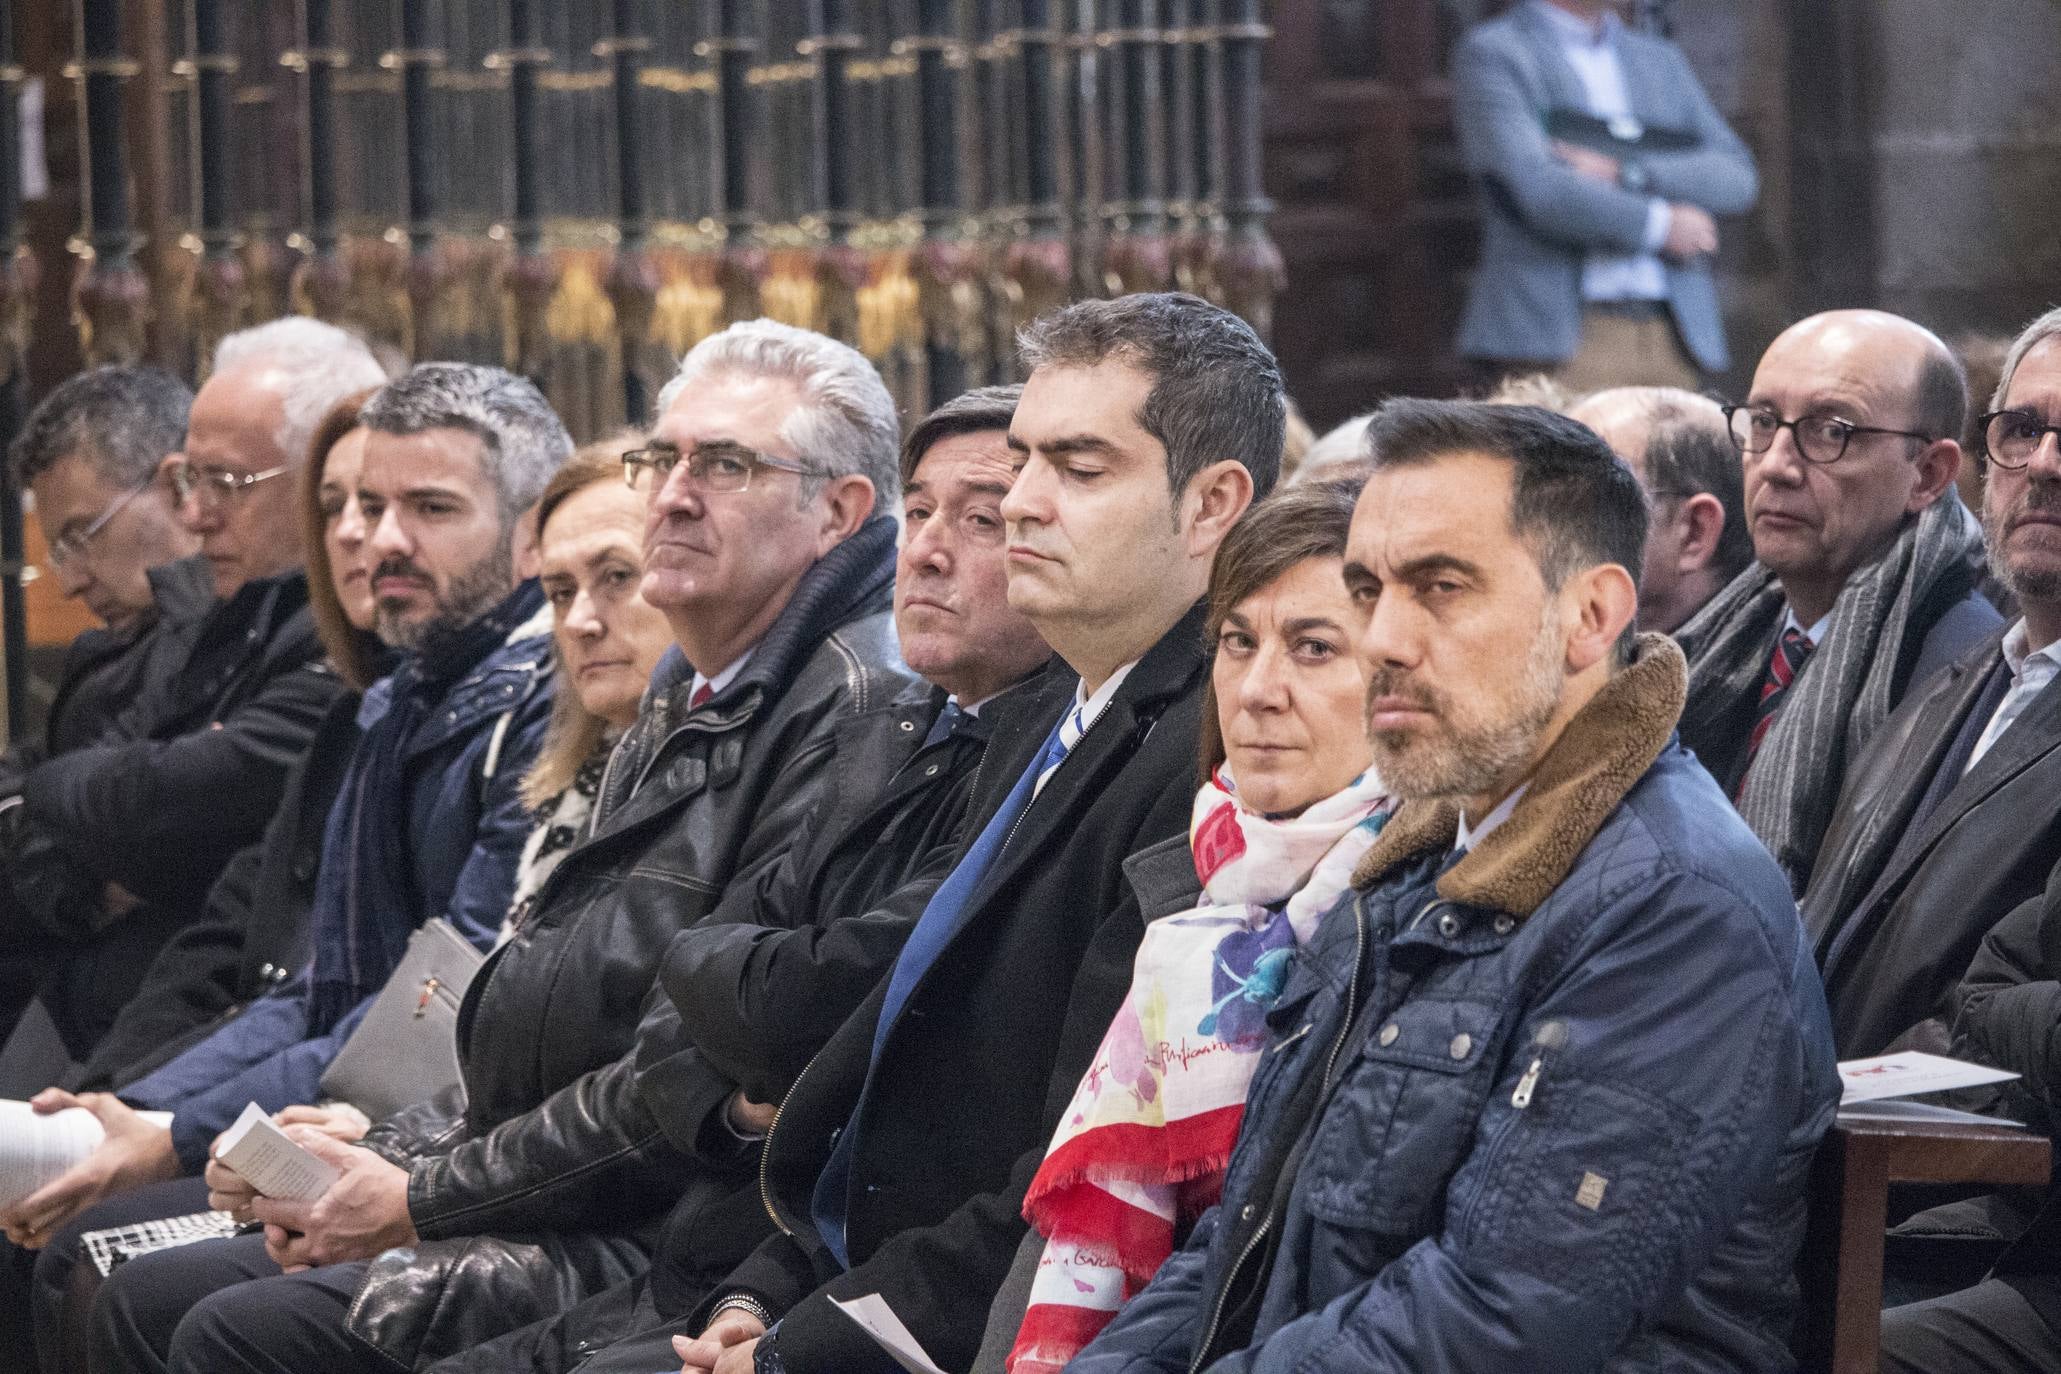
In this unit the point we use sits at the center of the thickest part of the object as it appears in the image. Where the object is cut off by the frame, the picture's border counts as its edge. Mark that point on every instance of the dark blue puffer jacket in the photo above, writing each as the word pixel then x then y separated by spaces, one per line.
pixel 467 823
pixel 1565 1095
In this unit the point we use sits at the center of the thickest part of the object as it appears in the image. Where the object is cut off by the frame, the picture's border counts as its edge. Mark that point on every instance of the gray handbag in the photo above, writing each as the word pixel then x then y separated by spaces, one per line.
pixel 406 1049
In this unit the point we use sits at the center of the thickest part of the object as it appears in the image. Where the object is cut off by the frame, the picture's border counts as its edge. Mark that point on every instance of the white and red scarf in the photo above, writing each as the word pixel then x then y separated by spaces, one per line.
pixel 1144 1143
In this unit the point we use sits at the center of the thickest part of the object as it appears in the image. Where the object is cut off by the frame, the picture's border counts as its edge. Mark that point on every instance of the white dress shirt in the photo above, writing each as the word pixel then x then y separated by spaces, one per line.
pixel 1592 51
pixel 2031 671
pixel 1466 836
pixel 723 679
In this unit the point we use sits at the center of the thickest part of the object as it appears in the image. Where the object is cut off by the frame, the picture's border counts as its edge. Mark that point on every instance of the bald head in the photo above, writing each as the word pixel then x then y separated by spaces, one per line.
pixel 1902 398
pixel 1910 368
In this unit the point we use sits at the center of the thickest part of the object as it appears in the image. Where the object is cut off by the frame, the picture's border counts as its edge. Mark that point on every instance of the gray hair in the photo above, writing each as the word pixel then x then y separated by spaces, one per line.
pixel 122 421
pixel 312 365
pixel 2047 326
pixel 524 441
pixel 846 421
pixel 1342 444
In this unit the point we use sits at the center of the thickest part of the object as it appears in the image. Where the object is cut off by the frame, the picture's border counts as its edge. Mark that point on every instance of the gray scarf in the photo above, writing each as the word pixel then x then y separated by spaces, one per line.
pixel 1845 690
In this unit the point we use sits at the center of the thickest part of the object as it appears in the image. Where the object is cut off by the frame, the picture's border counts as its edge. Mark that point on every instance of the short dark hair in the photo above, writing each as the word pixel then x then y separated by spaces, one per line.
pixel 121 420
pixel 971 412
pixel 1216 389
pixel 1941 405
pixel 1301 521
pixel 1690 450
pixel 1572 500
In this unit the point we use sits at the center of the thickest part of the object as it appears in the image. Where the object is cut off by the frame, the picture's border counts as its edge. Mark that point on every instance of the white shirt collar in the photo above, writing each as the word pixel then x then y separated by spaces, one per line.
pixel 1814 633
pixel 1087 709
pixel 2018 651
pixel 717 684
pixel 1466 836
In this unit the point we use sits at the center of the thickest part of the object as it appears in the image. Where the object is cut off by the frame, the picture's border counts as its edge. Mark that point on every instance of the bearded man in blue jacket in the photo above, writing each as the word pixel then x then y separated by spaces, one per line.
pixel 1543 1091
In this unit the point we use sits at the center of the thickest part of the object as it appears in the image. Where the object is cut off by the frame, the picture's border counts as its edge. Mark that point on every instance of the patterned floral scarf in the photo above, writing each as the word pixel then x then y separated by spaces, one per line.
pixel 1145 1141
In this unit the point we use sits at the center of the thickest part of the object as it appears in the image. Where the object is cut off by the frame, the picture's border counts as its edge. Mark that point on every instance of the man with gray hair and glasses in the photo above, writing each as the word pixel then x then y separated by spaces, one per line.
pixel 1952 816
pixel 112 848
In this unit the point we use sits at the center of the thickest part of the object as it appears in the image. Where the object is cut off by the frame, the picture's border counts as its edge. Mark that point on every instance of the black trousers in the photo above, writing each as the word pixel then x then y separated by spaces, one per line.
pixel 223 1307
pixel 1987 1329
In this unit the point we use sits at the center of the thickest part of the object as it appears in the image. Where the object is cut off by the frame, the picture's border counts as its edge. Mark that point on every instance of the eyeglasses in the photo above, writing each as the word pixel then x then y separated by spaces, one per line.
pixel 1821 439
pixel 2011 437
pixel 69 548
pixel 717 467
pixel 214 486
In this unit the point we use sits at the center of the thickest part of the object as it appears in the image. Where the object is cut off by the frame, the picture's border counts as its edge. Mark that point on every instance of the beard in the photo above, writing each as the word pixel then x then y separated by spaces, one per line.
pixel 2037 583
pixel 1478 746
pixel 470 594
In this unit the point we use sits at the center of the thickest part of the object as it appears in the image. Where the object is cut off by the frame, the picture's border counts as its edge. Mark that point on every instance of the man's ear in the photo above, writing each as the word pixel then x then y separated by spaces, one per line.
pixel 1939 462
pixel 1216 499
pixel 1702 518
pixel 847 502
pixel 1600 602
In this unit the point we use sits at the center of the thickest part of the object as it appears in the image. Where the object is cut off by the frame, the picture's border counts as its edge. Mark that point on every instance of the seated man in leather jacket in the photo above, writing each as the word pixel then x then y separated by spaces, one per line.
pixel 2009 1322
pixel 91 453
pixel 1543 1091
pixel 769 549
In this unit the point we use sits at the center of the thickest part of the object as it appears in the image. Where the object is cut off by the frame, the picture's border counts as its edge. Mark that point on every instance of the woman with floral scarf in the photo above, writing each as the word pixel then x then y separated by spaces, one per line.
pixel 1286 808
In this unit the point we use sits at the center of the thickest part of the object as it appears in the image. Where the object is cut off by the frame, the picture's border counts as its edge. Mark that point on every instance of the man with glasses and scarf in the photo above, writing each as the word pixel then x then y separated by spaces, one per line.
pixel 110 848
pixel 1863 583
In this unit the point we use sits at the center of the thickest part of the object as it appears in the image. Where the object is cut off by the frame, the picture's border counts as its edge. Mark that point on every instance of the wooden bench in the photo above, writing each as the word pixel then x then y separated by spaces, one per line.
pixel 1856 1165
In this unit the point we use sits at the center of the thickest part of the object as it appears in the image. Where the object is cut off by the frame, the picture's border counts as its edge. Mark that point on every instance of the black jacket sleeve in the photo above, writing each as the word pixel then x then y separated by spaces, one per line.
pixel 134 813
pixel 2008 1007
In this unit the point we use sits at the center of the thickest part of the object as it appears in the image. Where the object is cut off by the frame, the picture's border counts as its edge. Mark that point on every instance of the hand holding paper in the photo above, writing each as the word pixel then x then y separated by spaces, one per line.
pixel 60 1154
pixel 363 1212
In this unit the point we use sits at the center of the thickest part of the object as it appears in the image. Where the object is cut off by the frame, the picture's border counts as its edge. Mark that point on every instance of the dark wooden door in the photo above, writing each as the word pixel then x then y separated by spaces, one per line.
pixel 1373 211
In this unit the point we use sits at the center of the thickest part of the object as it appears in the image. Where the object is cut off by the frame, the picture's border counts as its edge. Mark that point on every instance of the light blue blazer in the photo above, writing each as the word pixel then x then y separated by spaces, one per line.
pixel 1542 220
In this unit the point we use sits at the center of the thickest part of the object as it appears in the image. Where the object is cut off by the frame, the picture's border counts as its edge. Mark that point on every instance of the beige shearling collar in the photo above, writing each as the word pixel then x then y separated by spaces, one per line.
pixel 1602 753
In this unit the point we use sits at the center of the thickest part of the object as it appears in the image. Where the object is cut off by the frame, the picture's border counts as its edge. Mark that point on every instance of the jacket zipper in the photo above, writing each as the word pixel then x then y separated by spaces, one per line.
pixel 1548 1038
pixel 766 1147
pixel 1345 1030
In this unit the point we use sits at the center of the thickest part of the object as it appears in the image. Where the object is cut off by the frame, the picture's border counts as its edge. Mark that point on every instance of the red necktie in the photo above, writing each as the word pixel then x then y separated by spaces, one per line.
pixel 701 695
pixel 1791 651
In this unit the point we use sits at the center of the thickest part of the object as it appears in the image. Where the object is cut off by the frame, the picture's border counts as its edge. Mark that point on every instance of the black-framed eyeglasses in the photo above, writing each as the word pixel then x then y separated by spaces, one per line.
pixel 2011 437
pixel 1821 439
pixel 715 467
pixel 70 547
pixel 216 485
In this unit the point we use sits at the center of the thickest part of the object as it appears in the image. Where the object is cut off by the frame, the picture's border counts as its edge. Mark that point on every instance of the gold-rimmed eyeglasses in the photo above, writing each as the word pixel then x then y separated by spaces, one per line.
pixel 714 467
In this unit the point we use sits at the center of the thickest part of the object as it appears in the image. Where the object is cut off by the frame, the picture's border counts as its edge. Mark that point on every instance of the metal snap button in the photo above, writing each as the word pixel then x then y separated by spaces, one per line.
pixel 1389 1033
pixel 1462 1043
pixel 1449 925
pixel 931 771
pixel 907 726
pixel 1246 1212
pixel 1505 924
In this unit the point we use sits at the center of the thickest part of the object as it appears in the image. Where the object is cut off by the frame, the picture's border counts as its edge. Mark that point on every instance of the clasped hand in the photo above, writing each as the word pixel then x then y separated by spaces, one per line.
pixel 725 1347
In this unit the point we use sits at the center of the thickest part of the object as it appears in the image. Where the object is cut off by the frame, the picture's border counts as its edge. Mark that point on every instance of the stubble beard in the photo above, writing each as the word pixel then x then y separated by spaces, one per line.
pixel 1467 758
pixel 2036 584
pixel 472 593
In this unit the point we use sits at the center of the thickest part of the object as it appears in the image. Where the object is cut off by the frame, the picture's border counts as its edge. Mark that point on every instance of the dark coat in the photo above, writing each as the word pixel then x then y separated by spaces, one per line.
pixel 992 1039
pixel 1896 910
pixel 2007 1011
pixel 774 963
pixel 467 824
pixel 693 802
pixel 196 765
pixel 1549 1108
pixel 254 932
pixel 41 891
pixel 106 670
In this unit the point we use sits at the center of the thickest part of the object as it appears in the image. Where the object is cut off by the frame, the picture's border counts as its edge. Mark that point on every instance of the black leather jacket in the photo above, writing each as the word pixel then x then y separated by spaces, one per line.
pixel 692 804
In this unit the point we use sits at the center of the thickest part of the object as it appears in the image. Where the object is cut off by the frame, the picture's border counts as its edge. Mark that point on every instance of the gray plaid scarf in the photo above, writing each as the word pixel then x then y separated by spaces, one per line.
pixel 1845 690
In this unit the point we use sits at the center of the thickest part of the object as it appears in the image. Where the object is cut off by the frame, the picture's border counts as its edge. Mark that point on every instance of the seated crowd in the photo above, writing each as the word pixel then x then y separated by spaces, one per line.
pixel 1410 920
